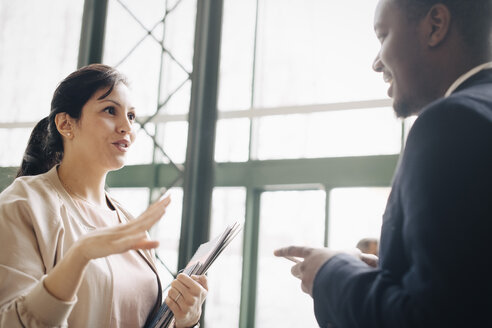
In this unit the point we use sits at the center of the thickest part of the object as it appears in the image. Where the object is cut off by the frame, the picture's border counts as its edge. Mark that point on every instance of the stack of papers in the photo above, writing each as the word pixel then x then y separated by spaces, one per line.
pixel 198 265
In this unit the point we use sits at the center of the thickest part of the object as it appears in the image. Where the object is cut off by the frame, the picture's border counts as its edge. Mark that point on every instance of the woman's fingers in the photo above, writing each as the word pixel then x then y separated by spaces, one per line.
pixel 141 243
pixel 202 280
pixel 124 237
pixel 151 215
pixel 173 304
pixel 185 298
pixel 193 288
pixel 177 303
pixel 182 289
pixel 147 219
pixel 158 207
pixel 146 244
pixel 108 241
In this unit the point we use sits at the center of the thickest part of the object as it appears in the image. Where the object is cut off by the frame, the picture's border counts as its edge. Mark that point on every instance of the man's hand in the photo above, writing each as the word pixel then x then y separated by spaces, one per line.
pixel 313 258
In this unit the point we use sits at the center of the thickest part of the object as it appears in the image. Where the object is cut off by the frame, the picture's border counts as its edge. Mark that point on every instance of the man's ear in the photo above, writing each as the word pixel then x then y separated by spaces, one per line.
pixel 64 124
pixel 438 22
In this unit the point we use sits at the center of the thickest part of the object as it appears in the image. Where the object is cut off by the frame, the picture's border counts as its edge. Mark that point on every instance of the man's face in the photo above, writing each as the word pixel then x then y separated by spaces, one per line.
pixel 400 58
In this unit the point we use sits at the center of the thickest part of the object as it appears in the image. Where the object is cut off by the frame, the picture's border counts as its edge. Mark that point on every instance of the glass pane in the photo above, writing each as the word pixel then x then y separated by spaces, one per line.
pixel 134 200
pixel 175 95
pixel 224 278
pixel 236 58
pixel 178 63
pixel 167 231
pixel 141 150
pixel 355 213
pixel 152 74
pixel 141 67
pixel 180 32
pixel 316 51
pixel 173 137
pixel 286 218
pixel 39 47
pixel 14 143
pixel 159 80
pixel 329 134
pixel 232 142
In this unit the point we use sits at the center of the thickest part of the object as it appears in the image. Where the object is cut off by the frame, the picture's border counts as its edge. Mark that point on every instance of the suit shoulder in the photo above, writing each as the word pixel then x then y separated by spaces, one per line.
pixel 471 102
pixel 461 112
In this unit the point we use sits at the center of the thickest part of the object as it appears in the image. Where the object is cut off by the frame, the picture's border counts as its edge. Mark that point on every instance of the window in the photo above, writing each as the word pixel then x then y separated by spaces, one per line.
pixel 35 55
pixel 286 218
pixel 355 213
pixel 224 276
pixel 295 86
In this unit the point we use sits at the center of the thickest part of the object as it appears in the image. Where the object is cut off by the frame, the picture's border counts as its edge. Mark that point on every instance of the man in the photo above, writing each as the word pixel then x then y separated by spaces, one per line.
pixel 434 268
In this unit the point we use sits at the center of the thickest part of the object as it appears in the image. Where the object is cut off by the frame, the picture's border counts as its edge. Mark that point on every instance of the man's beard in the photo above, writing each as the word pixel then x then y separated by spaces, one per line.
pixel 404 108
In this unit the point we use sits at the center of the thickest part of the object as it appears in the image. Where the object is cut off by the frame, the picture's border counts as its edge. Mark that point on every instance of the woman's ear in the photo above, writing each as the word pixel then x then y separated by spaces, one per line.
pixel 438 21
pixel 64 125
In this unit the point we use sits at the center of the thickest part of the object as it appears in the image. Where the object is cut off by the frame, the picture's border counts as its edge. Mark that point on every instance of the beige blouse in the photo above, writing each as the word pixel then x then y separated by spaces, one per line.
pixel 39 221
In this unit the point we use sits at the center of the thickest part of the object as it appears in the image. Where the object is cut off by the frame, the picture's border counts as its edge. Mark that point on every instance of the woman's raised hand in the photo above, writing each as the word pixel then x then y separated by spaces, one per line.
pixel 123 237
pixel 65 279
pixel 185 299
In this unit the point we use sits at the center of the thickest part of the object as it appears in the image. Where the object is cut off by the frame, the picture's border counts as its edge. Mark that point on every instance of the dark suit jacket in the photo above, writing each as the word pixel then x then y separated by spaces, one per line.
pixel 435 265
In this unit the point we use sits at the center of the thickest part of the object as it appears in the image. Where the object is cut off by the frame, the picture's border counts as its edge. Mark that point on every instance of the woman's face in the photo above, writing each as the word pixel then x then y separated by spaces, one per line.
pixel 105 131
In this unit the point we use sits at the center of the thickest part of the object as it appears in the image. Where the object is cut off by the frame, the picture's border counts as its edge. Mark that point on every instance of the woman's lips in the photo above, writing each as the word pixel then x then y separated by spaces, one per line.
pixel 122 145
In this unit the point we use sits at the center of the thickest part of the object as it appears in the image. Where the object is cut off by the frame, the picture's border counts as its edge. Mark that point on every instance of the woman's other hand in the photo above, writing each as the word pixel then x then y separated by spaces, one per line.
pixel 185 299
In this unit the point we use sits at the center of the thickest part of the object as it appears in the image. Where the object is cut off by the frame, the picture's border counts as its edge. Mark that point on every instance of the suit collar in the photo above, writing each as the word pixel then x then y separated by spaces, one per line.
pixel 466 77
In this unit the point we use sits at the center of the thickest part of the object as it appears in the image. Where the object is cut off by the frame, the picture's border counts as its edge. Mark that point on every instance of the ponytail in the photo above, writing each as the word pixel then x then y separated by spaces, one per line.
pixel 44 149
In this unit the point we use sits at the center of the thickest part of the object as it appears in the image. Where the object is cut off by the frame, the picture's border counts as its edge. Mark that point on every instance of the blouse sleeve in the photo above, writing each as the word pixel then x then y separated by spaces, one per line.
pixel 24 301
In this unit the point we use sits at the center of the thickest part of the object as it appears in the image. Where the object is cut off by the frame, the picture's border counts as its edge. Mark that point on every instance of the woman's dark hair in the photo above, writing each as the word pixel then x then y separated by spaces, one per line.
pixel 45 146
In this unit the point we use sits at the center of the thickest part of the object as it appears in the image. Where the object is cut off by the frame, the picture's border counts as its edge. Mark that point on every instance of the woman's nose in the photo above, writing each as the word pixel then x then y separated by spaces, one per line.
pixel 125 126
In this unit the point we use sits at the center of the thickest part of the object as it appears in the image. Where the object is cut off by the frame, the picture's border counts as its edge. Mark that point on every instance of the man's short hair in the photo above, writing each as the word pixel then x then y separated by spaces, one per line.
pixel 473 17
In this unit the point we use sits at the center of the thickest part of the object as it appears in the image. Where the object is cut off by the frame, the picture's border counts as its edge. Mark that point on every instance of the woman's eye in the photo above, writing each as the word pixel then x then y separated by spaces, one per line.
pixel 110 110
pixel 131 116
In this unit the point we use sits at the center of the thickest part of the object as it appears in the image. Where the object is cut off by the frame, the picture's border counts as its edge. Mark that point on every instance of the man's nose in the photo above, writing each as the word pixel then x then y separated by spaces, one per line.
pixel 377 64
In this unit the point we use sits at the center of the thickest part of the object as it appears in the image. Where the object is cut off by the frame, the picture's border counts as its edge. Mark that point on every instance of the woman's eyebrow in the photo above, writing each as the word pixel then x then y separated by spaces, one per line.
pixel 116 103
pixel 113 101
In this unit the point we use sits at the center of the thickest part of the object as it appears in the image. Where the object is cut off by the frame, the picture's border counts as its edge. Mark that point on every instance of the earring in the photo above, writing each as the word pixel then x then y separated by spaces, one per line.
pixel 68 134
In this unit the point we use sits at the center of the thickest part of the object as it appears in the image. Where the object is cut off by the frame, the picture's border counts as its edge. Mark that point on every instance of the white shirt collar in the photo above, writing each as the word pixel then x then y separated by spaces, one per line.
pixel 466 76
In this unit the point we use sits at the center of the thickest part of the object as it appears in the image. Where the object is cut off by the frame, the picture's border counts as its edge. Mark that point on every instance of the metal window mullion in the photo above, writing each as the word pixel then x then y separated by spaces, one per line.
pixel 250 113
pixel 253 124
pixel 276 111
pixel 327 215
pixel 200 165
pixel 250 259
pixel 155 192
pixel 92 32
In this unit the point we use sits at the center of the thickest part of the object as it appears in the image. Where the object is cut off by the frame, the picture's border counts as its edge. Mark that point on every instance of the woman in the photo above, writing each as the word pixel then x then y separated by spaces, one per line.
pixel 70 254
